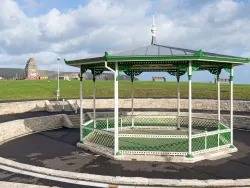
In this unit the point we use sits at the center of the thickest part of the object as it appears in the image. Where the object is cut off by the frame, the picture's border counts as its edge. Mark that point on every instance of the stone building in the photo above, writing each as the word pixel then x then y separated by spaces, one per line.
pixel 31 71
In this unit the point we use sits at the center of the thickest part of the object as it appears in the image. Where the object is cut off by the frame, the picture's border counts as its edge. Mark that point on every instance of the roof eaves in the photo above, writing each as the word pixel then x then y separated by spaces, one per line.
pixel 198 56
pixel 225 59
pixel 87 61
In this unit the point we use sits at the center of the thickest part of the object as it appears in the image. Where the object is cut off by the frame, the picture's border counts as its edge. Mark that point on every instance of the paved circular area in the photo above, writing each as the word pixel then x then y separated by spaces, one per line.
pixel 19 178
pixel 57 150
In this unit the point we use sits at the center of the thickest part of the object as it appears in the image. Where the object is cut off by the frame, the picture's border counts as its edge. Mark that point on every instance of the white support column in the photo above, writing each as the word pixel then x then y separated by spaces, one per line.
pixel 116 78
pixel 190 110
pixel 81 112
pixel 218 89
pixel 132 98
pixel 231 105
pixel 94 98
pixel 178 101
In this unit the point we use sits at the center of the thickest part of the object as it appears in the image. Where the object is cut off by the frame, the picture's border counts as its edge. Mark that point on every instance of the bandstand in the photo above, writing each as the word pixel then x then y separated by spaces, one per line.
pixel 178 138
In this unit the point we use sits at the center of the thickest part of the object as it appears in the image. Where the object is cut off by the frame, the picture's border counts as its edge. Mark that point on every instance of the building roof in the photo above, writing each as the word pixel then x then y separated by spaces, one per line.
pixel 161 50
pixel 159 53
pixel 156 57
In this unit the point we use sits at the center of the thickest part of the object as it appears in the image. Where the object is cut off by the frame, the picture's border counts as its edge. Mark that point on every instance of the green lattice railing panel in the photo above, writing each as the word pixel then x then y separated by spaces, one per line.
pixel 225 138
pixel 126 121
pixel 148 121
pixel 200 123
pixel 156 144
pixel 146 131
pixel 183 121
pixel 103 139
pixel 198 144
pixel 90 125
pixel 222 127
pixel 111 123
pixel 86 132
pixel 101 124
pixel 212 141
pixel 148 135
pixel 205 124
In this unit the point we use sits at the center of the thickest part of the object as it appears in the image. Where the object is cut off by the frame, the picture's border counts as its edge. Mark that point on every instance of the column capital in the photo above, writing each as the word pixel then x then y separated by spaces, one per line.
pixel 229 69
pixel 190 68
pixel 178 78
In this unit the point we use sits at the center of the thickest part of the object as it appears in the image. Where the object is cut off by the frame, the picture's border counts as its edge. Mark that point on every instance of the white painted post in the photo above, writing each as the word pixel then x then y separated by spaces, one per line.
pixel 81 114
pixel 94 99
pixel 116 77
pixel 107 123
pixel 178 101
pixel 190 110
pixel 231 105
pixel 63 104
pixel 218 84
pixel 132 97
pixel 58 80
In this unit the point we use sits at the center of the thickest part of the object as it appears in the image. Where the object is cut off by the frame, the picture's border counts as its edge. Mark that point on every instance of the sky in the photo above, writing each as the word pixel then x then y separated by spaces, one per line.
pixel 73 29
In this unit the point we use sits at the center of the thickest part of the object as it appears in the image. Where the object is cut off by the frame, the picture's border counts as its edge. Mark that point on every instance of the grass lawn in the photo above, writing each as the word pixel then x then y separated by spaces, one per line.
pixel 42 89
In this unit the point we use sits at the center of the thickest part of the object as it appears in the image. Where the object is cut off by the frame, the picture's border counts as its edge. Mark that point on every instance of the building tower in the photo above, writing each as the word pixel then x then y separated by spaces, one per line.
pixel 31 71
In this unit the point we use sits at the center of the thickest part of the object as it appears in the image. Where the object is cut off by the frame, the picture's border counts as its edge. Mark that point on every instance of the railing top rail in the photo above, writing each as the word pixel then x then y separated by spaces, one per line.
pixel 160 116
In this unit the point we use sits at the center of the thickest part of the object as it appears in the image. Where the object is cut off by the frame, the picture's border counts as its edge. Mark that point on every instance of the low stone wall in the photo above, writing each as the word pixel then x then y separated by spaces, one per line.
pixel 13 129
pixel 161 103
pixel 25 106
pixel 139 103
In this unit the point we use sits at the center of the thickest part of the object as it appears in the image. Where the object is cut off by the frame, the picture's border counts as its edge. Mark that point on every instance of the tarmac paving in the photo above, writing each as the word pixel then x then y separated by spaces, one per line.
pixel 19 178
pixel 57 149
pixel 12 117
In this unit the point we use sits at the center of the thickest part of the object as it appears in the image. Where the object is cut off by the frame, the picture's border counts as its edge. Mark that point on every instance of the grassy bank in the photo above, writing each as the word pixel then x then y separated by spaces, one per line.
pixel 42 89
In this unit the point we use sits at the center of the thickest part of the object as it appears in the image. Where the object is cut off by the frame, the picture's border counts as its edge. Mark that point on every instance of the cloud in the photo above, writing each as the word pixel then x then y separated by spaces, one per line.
pixel 31 5
pixel 220 26
pixel 10 14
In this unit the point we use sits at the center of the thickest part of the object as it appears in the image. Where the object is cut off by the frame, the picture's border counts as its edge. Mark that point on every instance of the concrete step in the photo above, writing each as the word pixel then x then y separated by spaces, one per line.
pixel 75 120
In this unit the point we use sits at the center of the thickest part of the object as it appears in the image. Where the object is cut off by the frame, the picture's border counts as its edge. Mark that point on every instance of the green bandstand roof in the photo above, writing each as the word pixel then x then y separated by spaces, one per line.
pixel 155 57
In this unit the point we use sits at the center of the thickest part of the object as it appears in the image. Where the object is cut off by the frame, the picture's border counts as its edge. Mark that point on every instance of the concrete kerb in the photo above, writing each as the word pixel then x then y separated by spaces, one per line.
pixel 21 185
pixel 118 180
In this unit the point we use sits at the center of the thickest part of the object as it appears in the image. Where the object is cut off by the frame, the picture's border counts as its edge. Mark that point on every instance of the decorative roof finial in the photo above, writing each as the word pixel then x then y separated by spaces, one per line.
pixel 153 30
